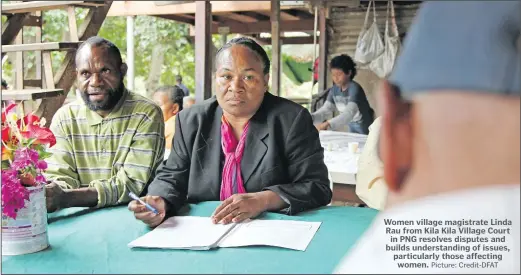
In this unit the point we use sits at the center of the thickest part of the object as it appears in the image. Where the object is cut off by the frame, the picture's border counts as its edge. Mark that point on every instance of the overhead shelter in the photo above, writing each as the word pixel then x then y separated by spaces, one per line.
pixel 238 17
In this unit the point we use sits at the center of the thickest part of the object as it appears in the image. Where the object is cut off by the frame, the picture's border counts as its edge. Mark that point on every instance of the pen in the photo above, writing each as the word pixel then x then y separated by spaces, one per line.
pixel 132 195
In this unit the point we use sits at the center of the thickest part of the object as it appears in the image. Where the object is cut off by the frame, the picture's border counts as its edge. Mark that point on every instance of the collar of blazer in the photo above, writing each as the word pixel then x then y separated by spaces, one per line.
pixel 209 155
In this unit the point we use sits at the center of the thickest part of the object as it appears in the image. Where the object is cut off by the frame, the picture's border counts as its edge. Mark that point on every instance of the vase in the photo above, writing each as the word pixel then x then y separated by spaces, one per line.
pixel 28 232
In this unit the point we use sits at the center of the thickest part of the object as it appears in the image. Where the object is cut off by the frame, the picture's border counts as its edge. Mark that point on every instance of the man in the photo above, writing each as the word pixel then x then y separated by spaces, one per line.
pixel 109 142
pixel 4 85
pixel 188 101
pixel 445 157
pixel 179 81
pixel 170 100
pixel 346 97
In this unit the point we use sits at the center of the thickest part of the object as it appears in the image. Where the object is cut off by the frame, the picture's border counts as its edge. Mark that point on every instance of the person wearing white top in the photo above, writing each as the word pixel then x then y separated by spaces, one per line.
pixel 450 146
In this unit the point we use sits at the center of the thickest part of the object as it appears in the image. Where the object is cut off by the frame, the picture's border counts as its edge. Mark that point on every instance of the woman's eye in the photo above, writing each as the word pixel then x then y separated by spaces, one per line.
pixel 105 71
pixel 248 77
pixel 85 74
pixel 227 77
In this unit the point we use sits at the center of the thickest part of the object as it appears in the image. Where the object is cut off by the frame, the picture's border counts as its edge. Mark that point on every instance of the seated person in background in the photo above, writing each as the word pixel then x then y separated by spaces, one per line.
pixel 188 101
pixel 346 97
pixel 170 100
pixel 252 150
pixel 109 142
pixel 370 184
pixel 4 85
pixel 468 171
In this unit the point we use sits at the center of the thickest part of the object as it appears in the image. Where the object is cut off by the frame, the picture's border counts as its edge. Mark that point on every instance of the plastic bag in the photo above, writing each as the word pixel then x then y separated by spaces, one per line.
pixel 369 45
pixel 383 64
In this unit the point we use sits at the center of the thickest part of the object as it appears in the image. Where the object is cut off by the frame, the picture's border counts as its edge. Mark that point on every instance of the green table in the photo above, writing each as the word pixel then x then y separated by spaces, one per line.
pixel 86 241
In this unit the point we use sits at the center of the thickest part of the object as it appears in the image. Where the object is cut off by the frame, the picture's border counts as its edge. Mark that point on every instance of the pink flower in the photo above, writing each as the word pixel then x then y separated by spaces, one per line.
pixel 14 194
pixel 41 164
pixel 40 179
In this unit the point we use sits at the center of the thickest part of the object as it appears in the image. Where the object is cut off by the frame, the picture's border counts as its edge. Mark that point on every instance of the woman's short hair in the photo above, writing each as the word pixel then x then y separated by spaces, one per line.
pixel 345 63
pixel 175 94
pixel 252 45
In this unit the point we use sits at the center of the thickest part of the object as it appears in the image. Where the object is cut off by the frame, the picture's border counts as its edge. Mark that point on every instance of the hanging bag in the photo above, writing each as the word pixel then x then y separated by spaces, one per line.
pixel 369 44
pixel 383 64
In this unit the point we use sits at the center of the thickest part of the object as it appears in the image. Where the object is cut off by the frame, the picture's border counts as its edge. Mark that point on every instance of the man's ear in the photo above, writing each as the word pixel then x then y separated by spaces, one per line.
pixel 175 109
pixel 395 136
pixel 123 69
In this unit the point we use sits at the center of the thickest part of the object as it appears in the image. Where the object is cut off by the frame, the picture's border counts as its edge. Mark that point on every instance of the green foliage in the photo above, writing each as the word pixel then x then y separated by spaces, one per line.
pixel 148 32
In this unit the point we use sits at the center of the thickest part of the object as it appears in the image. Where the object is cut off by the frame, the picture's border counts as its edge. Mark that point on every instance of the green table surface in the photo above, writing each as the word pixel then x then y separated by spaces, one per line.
pixel 95 241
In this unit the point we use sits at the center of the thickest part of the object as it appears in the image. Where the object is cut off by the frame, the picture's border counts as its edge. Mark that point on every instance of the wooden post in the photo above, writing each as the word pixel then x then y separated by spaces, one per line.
pixel 130 53
pixel 275 47
pixel 73 27
pixel 323 49
pixel 203 68
pixel 19 63
pixel 38 60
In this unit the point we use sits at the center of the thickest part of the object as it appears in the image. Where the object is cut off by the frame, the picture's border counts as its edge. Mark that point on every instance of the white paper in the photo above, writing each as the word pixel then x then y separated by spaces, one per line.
pixel 199 233
pixel 184 232
pixel 281 233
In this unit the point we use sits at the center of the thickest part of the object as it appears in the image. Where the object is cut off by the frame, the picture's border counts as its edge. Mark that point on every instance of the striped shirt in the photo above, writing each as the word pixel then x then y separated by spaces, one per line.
pixel 115 154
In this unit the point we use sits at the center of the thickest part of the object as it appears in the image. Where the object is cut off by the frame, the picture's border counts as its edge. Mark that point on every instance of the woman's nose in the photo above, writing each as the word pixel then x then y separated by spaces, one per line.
pixel 237 85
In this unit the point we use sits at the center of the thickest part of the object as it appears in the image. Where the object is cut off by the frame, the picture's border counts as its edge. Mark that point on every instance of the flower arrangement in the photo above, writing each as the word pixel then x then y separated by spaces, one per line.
pixel 24 148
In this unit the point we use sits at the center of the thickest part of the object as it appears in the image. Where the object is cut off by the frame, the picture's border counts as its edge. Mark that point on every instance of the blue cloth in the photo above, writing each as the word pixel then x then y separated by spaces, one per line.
pixel 86 241
pixel 463 45
pixel 184 88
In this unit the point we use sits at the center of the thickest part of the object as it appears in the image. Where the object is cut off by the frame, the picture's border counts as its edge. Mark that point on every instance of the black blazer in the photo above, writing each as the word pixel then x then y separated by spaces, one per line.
pixel 282 154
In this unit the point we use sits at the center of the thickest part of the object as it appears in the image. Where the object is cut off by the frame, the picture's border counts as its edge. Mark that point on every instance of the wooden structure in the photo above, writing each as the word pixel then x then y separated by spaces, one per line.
pixel 237 17
pixel 51 87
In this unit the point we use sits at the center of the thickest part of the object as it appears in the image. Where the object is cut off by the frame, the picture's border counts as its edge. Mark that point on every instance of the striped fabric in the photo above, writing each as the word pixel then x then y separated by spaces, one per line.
pixel 115 154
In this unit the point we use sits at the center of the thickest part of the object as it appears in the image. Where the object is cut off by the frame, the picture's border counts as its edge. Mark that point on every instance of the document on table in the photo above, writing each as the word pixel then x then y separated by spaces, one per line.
pixel 199 233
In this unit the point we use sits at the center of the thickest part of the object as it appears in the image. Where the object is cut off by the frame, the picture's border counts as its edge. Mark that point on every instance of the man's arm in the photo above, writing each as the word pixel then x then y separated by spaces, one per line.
pixel 145 154
pixel 61 165
pixel 308 185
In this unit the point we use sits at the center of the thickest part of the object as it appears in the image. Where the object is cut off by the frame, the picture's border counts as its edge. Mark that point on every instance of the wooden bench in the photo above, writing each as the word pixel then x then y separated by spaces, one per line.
pixel 30 94
pixel 47 46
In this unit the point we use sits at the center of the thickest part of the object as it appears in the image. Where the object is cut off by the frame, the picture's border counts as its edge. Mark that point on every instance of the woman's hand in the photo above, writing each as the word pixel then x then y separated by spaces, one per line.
pixel 142 213
pixel 240 207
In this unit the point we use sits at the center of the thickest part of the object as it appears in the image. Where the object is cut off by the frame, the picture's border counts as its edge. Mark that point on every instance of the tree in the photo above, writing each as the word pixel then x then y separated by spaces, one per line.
pixel 150 32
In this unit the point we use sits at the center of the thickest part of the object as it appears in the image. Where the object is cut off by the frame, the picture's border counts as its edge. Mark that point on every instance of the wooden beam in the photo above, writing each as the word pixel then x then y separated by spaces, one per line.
pixel 19 63
pixel 66 74
pixel 30 94
pixel 12 27
pixel 34 6
pixel 33 21
pixel 323 49
pixel 203 68
pixel 275 47
pixel 73 27
pixel 47 68
pixel 239 17
pixel 297 40
pixel 126 8
pixel 48 46
pixel 177 18
pixel 262 26
pixel 284 15
pixel 32 83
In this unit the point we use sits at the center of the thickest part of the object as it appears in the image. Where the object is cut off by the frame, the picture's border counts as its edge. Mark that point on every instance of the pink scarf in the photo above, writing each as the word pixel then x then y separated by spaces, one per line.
pixel 231 177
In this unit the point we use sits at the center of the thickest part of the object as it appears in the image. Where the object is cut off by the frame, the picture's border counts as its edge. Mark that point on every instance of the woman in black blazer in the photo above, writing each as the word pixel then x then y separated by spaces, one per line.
pixel 253 151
